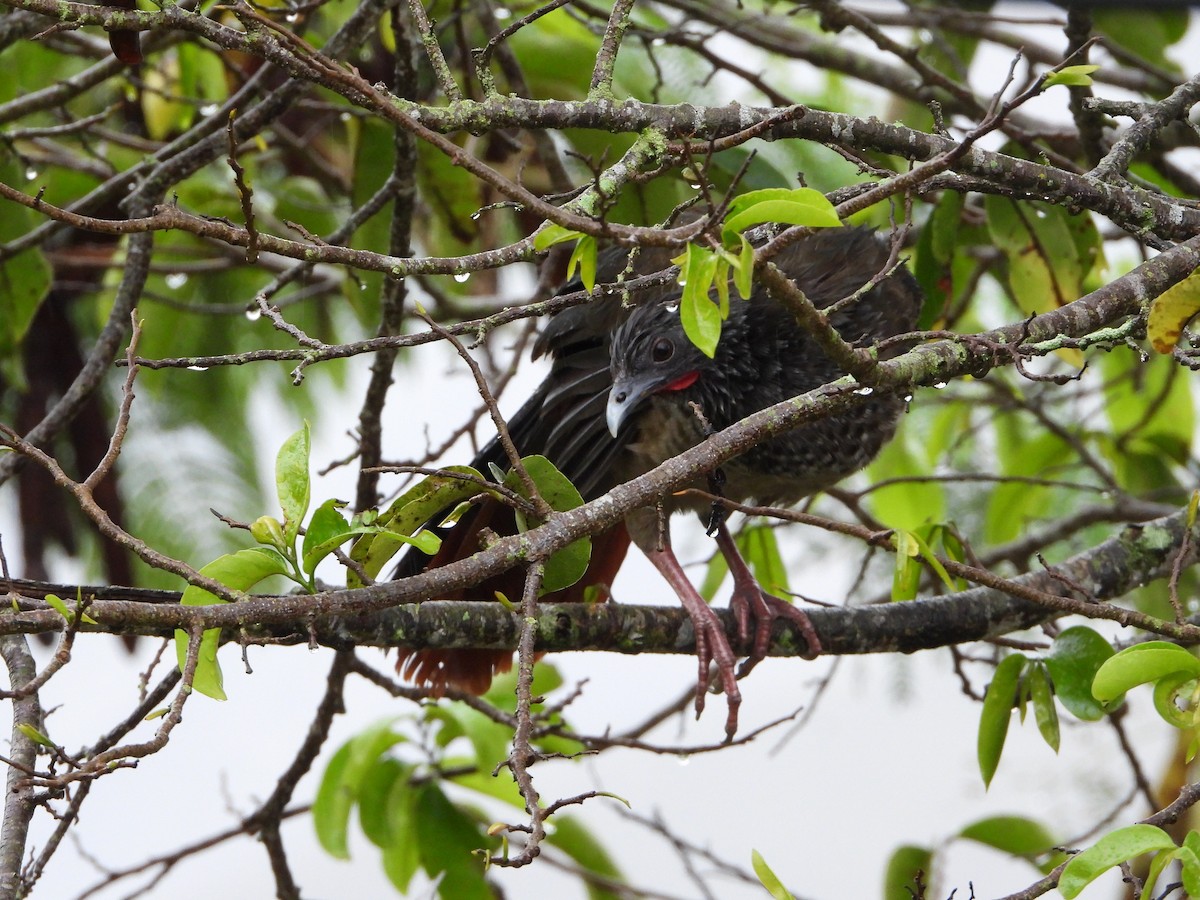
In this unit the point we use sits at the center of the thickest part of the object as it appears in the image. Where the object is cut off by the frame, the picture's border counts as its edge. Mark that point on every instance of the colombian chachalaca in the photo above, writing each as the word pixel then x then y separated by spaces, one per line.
pixel 627 390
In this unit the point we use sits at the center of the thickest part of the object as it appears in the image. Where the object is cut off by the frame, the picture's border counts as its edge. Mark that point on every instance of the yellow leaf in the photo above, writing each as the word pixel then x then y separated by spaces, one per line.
pixel 1071 356
pixel 1171 311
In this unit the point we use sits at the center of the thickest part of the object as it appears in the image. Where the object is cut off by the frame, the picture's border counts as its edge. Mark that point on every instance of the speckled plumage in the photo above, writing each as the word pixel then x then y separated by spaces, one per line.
pixel 763 357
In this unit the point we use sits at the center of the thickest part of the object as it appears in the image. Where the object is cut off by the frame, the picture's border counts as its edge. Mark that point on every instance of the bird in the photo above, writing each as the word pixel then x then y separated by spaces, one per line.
pixel 628 390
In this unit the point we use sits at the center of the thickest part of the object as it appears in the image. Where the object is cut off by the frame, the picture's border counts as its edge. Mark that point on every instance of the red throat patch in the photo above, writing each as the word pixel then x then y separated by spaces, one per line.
pixel 685 382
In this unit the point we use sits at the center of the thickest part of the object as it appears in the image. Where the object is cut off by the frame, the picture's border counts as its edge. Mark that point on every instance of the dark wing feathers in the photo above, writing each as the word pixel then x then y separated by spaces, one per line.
pixel 564 419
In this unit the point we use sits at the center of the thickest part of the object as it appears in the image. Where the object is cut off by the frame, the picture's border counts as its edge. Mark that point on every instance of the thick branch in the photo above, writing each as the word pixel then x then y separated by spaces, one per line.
pixel 934 363
pixel 1136 555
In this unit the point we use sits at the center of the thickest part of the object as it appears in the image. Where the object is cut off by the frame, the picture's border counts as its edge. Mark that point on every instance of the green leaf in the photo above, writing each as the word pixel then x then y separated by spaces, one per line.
pixel 1045 270
pixel 903 503
pixel 1159 862
pixel 1010 834
pixel 489 738
pixel 584 256
pixel 331 809
pixel 1139 665
pixel 447 844
pixel 566 566
pixel 1070 75
pixel 1044 711
pixel 714 576
pixel 1175 699
pixel 34 735
pixel 554 234
pixel 24 278
pixel 408 512
pixel 1149 435
pixel 1189 858
pixel 24 282
pixel 375 799
pixel 503 692
pixel 934 264
pixel 450 193
pixel 402 857
pixel 239 571
pixel 60 606
pixel 343 781
pixel 801 206
pixel 925 535
pixel 1073 661
pixel 701 318
pixel 721 282
pixel 1192 842
pixel 1013 504
pixel 945 225
pixel 743 276
pixel 327 525
pixel 906 576
pixel 744 201
pixel 426 541
pixel 1146 36
pixel 996 714
pixel 573 838
pixel 903 868
pixel 292 481
pixel 328 529
pixel 57 604
pixel 499 787
pixel 768 878
pixel 1111 850
pixel 954 549
pixel 761 551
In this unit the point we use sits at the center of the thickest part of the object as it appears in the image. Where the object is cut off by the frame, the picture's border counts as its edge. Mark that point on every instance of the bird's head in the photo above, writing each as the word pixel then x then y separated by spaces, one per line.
pixel 650 355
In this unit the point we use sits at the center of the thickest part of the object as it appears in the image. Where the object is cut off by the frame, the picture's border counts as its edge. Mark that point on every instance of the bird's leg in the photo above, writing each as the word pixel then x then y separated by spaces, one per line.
pixel 750 601
pixel 712 644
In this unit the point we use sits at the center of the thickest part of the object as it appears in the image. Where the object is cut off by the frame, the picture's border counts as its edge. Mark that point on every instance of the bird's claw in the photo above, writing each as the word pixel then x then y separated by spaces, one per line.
pixel 750 602
pixel 712 646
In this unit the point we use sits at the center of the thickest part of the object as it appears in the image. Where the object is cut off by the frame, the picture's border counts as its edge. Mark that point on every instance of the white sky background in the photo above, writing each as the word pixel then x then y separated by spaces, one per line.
pixel 888 758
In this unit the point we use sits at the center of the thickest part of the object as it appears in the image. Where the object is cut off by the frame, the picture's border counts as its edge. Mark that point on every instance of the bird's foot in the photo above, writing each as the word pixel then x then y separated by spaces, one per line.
pixel 712 643
pixel 751 604
pixel 712 646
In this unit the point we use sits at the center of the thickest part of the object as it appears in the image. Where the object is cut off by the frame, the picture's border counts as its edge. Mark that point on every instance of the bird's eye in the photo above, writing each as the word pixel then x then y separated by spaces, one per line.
pixel 662 350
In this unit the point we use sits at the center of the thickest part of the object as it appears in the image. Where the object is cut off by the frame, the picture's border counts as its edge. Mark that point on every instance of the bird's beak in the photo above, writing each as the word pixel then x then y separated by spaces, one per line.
pixel 626 396
pixel 618 406
pixel 630 392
